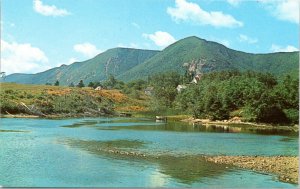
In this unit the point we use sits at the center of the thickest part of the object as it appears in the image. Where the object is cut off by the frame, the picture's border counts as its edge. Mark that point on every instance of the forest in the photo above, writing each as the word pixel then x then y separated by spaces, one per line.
pixel 251 96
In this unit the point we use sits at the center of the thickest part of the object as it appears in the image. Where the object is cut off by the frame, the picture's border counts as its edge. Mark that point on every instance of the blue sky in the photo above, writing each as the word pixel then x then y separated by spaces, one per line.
pixel 40 34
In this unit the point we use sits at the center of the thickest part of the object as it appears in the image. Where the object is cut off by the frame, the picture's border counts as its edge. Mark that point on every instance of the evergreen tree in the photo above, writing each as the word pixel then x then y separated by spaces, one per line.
pixel 80 84
pixel 91 84
pixel 56 83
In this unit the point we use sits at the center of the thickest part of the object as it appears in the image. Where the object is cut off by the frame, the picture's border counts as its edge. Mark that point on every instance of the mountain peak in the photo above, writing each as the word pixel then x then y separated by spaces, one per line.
pixel 193 37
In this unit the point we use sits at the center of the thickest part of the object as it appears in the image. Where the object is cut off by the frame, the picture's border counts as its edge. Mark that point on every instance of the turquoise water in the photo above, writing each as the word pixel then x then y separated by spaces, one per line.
pixel 60 153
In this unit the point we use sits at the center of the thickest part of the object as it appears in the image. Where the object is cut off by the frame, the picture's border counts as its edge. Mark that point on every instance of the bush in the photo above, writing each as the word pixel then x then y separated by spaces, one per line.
pixel 10 107
pixel 292 115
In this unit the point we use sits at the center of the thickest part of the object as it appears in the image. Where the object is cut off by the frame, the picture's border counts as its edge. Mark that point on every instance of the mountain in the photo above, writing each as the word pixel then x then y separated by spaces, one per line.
pixel 212 56
pixel 130 64
pixel 114 61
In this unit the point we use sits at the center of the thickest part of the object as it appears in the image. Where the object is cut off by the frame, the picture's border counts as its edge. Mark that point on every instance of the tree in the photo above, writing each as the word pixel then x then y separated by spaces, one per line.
pixel 56 83
pixel 112 80
pixel 137 84
pixel 91 84
pixel 165 87
pixel 80 84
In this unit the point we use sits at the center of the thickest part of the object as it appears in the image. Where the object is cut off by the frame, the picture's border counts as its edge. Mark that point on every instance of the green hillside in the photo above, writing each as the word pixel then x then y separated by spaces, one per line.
pixel 114 61
pixel 130 64
pixel 213 57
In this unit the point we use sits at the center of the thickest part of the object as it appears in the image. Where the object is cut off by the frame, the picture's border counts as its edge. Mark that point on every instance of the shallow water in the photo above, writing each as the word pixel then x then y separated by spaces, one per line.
pixel 71 152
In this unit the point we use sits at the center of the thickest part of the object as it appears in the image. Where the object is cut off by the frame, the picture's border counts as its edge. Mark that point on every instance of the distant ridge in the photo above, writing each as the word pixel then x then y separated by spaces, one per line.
pixel 129 64
pixel 215 57
pixel 113 61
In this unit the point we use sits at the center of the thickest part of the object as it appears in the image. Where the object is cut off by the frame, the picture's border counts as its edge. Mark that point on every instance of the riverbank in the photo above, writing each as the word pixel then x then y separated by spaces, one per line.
pixel 286 168
pixel 42 101
pixel 61 116
pixel 237 123
pixel 18 116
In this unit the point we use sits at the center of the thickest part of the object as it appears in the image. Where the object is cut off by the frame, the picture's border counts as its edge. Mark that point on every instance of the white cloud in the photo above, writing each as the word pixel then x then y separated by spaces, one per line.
pixel 224 42
pixel 192 12
pixel 160 38
pixel 245 38
pixel 87 49
pixel 278 48
pixel 22 58
pixel 121 45
pixel 66 62
pixel 234 2
pixel 72 60
pixel 48 10
pixel 287 10
pixel 136 25
pixel 133 45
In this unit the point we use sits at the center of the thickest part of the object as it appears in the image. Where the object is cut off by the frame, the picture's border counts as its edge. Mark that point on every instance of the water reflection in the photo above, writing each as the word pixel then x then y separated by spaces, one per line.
pixel 176 126
pixel 81 124
pixel 111 122
pixel 184 127
pixel 189 169
pixel 95 145
pixel 14 131
pixel 185 169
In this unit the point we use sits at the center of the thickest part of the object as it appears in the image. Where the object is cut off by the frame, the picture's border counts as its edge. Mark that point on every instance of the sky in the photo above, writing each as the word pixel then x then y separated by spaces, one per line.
pixel 37 35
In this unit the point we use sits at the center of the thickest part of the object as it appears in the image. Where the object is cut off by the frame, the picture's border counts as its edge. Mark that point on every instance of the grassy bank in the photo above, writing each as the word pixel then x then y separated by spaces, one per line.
pixel 56 101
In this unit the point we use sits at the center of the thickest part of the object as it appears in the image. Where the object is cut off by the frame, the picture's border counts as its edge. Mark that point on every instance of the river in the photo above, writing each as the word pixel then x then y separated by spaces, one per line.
pixel 76 153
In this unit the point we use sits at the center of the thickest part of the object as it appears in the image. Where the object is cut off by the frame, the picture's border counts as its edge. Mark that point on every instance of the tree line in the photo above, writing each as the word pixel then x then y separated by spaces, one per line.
pixel 256 97
pixel 252 96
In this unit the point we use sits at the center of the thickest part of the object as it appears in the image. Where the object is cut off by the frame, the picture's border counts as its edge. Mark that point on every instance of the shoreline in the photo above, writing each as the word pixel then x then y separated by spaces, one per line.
pixel 286 168
pixel 179 118
pixel 225 124
pixel 55 116
pixel 240 124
